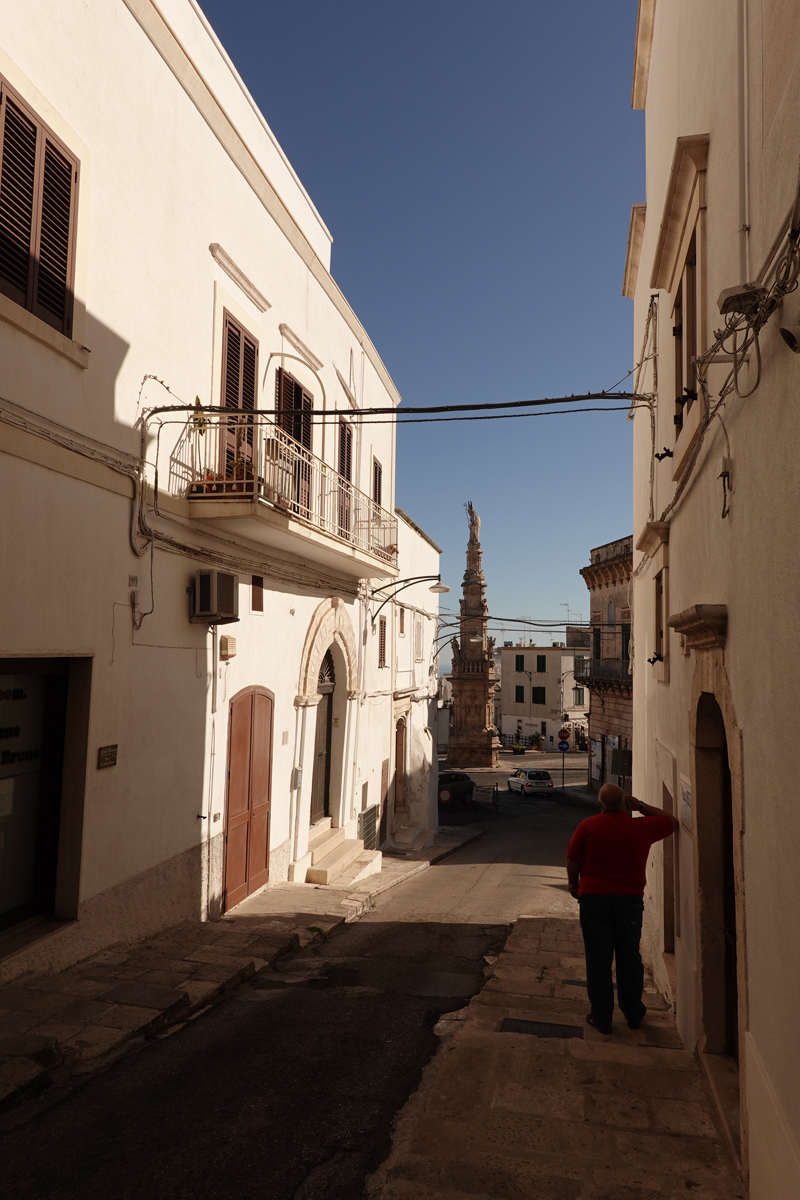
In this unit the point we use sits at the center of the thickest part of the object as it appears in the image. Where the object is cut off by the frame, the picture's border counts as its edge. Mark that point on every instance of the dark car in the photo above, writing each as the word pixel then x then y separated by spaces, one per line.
pixel 455 787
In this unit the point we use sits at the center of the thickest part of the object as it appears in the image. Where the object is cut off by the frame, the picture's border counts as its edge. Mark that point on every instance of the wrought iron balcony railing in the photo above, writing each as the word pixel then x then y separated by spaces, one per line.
pixel 222 457
pixel 609 669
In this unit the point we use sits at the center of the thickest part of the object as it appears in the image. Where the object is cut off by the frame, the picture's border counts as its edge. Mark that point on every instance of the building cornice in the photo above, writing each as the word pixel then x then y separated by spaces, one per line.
pixel 687 175
pixel 238 276
pixel 635 237
pixel 703 626
pixel 645 21
pixel 654 534
pixel 291 337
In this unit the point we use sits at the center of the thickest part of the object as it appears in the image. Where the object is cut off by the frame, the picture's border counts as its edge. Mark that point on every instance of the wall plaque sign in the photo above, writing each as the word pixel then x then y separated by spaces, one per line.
pixel 106 757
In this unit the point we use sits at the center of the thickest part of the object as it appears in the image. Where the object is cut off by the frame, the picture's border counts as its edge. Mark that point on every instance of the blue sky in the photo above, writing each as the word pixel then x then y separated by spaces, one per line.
pixel 476 163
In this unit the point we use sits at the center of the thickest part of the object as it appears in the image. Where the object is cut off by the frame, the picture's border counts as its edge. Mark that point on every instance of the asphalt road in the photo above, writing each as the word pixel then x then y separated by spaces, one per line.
pixel 286 1089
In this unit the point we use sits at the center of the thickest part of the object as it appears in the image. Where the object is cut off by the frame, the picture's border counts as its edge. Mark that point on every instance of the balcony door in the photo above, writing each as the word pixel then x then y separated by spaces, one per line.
pixel 239 389
pixel 248 804
pixel 294 407
pixel 345 495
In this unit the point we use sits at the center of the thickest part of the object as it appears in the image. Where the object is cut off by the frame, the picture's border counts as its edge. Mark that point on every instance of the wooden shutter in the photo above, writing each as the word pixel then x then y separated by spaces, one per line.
pixel 382 641
pixel 294 407
pixel 52 254
pixel 284 401
pixel 38 189
pixel 377 481
pixel 17 194
pixel 239 389
pixel 345 450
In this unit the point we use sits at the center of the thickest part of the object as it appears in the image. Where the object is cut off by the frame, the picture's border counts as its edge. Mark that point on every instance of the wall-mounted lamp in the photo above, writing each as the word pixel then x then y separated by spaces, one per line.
pixel 399 585
pixel 791 335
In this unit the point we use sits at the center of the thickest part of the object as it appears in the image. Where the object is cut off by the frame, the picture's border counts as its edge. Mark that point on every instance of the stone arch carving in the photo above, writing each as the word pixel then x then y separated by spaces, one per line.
pixel 330 623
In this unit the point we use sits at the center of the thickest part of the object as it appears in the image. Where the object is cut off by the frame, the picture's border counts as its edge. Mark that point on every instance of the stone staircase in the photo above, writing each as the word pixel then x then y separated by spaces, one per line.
pixel 336 858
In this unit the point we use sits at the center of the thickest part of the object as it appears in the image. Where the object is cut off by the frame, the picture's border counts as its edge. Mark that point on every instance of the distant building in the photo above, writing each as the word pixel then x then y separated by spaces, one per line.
pixel 605 670
pixel 540 695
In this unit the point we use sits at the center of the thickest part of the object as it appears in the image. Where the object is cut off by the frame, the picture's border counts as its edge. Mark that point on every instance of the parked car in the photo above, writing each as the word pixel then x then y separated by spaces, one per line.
pixel 528 782
pixel 455 787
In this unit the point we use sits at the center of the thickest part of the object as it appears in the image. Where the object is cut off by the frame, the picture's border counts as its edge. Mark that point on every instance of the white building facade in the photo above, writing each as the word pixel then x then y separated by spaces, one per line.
pixel 181 443
pixel 712 268
pixel 540 695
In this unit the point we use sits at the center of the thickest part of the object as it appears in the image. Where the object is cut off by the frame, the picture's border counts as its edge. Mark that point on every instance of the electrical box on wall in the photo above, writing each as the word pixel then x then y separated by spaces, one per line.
pixel 227 647
pixel 215 598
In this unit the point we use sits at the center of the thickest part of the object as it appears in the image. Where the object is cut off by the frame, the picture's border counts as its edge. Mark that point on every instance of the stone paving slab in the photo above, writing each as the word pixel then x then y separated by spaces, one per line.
pixel 501 1116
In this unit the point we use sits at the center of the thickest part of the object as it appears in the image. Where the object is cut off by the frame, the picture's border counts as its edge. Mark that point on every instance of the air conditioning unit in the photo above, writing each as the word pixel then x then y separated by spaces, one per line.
pixel 216 598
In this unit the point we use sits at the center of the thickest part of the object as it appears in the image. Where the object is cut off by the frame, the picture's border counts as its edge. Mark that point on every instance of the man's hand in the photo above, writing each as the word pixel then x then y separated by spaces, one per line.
pixel 632 804
pixel 573 872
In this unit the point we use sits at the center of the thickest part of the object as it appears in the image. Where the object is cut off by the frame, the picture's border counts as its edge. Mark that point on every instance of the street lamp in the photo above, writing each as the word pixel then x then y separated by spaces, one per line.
pixel 400 585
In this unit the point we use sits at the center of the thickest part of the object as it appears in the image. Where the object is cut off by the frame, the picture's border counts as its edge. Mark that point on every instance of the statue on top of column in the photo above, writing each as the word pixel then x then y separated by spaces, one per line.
pixel 474 525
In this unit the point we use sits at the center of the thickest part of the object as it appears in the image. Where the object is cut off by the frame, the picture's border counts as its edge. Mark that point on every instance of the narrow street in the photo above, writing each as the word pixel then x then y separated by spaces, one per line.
pixel 287 1088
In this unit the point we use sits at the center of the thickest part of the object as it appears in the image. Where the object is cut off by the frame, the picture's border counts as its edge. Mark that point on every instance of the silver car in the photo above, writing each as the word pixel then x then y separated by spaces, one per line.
pixel 528 782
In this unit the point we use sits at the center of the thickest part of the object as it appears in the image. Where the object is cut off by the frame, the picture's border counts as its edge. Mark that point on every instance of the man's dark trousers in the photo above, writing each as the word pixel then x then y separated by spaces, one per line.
pixel 612 927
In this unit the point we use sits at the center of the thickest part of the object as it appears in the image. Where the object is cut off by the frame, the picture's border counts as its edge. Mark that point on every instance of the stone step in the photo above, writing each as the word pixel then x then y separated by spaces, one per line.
pixel 318 830
pixel 405 835
pixel 322 846
pixel 368 863
pixel 333 864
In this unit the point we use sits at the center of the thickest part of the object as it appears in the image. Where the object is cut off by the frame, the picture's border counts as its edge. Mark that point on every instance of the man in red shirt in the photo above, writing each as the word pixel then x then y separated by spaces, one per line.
pixel 606 862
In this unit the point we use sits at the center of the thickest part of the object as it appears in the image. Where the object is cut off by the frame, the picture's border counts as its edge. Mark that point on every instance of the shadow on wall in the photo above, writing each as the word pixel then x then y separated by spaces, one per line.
pixel 140 696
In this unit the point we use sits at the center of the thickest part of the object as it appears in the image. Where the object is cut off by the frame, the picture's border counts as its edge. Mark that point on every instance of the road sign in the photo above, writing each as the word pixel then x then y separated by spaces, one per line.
pixel 563 735
pixel 563 746
pixel 445 795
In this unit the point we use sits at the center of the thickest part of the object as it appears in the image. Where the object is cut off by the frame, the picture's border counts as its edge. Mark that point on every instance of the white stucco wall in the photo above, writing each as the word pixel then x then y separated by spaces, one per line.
pixel 744 561
pixel 161 179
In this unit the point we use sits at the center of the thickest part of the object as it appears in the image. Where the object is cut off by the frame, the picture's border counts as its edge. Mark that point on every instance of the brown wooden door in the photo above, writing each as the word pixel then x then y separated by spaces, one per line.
pixel 320 780
pixel 249 794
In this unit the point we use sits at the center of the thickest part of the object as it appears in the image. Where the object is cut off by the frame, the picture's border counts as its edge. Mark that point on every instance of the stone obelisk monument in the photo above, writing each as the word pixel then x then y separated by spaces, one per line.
pixel 473 737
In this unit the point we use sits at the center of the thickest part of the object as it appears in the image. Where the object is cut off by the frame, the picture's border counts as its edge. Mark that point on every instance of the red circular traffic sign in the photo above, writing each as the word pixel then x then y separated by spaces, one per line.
pixel 445 795
pixel 563 735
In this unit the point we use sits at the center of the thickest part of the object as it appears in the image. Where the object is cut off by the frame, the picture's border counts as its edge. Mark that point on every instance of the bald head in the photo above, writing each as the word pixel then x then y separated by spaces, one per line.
pixel 611 797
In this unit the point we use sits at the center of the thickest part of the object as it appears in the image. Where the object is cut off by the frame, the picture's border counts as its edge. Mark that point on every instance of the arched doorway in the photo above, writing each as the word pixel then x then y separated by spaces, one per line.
pixel 249 794
pixel 400 781
pixel 716 882
pixel 321 778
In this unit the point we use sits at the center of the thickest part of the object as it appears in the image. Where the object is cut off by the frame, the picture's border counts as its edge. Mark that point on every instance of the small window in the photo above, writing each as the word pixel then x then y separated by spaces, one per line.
pixel 538 695
pixel 577 694
pixel 541 664
pixel 611 616
pixel 659 627
pixel 544 728
pixel 520 658
pixel 382 641
pixel 401 622
pixel 519 695
pixel 38 205
pixel 257 593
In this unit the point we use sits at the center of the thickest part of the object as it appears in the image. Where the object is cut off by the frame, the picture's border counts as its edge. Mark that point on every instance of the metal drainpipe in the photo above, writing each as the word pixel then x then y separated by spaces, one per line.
pixel 743 146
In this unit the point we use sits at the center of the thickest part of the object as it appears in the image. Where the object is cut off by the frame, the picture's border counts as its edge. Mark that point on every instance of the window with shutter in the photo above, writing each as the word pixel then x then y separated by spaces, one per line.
pixel 377 482
pixel 382 641
pixel 38 204
pixel 345 476
pixel 295 407
pixel 418 638
pixel 239 389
